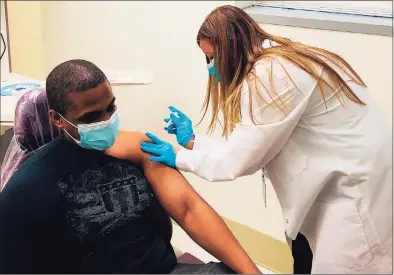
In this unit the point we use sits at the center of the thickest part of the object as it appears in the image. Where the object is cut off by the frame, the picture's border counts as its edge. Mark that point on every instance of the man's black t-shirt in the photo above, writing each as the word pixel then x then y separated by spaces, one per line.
pixel 68 209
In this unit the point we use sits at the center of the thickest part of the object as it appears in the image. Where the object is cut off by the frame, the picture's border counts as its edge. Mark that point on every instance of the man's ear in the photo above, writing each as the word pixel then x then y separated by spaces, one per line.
pixel 56 119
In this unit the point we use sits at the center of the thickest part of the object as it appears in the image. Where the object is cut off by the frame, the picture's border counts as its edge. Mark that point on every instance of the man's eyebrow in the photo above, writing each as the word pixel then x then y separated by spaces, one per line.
pixel 95 114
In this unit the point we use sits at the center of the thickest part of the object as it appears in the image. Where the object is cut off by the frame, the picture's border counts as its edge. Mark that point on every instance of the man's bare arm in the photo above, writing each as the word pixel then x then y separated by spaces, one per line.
pixel 185 206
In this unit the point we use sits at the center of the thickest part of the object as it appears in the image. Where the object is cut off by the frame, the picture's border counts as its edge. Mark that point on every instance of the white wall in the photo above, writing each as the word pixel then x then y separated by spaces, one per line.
pixel 25 34
pixel 5 58
pixel 156 35
pixel 162 36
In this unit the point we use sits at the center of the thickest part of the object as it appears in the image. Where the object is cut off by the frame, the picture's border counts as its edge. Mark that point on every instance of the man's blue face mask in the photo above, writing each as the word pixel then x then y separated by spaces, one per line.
pixel 213 70
pixel 99 135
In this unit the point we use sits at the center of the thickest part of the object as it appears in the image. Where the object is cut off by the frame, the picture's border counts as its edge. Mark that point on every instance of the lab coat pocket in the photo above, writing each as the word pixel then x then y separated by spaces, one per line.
pixel 340 240
pixel 289 163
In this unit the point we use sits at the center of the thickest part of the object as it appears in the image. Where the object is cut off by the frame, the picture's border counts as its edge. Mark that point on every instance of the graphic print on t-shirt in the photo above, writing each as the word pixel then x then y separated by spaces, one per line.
pixel 102 198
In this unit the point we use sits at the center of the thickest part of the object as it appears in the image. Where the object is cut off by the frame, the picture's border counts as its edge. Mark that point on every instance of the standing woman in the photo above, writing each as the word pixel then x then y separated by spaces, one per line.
pixel 306 116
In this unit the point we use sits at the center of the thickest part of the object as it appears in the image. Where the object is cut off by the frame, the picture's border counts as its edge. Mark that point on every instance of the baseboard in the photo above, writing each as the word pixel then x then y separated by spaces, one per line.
pixel 264 250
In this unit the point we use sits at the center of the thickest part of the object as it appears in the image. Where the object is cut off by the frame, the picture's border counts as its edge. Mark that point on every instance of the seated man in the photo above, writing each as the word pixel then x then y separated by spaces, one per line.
pixel 71 208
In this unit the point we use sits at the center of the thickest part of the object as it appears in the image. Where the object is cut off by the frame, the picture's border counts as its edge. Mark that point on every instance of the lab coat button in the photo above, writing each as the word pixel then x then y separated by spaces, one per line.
pixel 287 221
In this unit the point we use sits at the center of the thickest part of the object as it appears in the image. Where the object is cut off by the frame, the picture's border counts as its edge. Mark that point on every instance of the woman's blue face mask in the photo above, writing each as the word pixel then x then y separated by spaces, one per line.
pixel 213 70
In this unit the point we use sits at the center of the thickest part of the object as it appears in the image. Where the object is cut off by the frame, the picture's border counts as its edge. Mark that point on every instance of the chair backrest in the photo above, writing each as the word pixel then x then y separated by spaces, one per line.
pixel 32 130
pixel 32 126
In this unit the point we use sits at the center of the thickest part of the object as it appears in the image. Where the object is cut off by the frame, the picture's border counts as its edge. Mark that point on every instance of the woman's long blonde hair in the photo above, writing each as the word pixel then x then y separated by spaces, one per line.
pixel 237 41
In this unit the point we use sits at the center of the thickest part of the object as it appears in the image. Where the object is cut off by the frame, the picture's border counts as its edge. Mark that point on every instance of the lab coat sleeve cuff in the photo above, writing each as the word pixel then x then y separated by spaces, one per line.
pixel 206 143
pixel 200 142
pixel 184 160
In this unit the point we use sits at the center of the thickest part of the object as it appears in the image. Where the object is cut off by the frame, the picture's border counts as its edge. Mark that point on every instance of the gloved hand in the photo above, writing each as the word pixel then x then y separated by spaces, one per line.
pixel 163 150
pixel 181 126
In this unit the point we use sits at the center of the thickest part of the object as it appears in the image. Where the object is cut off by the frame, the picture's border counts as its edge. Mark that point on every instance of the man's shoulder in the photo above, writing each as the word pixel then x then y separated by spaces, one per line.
pixel 42 166
pixel 133 137
pixel 128 146
pixel 32 188
pixel 46 156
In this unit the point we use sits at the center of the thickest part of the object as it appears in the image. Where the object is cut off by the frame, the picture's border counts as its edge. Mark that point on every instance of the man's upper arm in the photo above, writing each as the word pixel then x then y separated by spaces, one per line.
pixel 170 187
pixel 127 146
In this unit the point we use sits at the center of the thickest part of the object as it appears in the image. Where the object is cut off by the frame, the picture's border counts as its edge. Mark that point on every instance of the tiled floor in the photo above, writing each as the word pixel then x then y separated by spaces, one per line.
pixel 182 242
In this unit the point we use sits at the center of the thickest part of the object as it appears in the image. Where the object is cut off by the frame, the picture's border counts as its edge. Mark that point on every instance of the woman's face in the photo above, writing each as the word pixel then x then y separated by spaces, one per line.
pixel 207 47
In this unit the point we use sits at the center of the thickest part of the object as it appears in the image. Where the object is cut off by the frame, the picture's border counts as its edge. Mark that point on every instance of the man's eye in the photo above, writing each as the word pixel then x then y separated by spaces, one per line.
pixel 111 108
pixel 89 119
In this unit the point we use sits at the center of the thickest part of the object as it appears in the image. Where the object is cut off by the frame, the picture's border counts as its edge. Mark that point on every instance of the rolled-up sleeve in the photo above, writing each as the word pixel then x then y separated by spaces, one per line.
pixel 276 111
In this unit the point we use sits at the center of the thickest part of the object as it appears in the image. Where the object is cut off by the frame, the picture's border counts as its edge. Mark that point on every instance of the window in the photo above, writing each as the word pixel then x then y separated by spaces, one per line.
pixel 368 17
pixel 367 8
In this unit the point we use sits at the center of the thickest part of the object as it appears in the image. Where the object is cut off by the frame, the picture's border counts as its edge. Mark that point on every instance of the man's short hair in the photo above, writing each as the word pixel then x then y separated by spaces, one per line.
pixel 71 76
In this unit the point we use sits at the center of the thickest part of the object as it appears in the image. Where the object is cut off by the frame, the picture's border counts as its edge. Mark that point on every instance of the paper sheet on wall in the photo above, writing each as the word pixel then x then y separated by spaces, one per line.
pixel 129 77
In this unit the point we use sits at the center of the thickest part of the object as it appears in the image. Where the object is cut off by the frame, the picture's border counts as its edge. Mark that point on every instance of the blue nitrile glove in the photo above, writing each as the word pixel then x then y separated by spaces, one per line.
pixel 181 126
pixel 163 150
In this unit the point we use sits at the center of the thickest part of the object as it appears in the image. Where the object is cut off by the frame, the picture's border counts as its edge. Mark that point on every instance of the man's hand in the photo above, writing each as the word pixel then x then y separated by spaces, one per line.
pixel 185 206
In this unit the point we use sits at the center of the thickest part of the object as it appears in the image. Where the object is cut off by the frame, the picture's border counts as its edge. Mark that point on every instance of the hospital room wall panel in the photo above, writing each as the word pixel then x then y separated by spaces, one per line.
pixel 25 38
pixel 161 36
pixel 5 63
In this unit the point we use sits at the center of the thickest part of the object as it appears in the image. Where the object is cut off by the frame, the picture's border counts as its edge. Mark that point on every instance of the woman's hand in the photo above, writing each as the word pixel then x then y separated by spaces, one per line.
pixel 181 126
pixel 163 151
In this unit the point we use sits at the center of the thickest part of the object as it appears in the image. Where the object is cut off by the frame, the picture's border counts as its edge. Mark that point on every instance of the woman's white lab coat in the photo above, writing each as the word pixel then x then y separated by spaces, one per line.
pixel 330 166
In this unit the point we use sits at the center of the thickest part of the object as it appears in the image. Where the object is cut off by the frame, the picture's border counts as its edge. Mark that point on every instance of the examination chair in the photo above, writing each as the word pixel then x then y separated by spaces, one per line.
pixel 32 130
